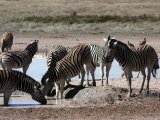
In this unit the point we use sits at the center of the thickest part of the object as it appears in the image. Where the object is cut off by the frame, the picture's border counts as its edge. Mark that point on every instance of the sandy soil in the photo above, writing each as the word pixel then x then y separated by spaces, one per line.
pixel 100 102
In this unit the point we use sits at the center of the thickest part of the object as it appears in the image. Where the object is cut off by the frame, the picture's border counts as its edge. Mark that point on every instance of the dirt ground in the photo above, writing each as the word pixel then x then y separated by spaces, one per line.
pixel 100 102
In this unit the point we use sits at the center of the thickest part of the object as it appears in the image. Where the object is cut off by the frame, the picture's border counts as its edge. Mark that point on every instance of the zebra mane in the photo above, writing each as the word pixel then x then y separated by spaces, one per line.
pixel 119 43
pixel 122 44
pixel 31 45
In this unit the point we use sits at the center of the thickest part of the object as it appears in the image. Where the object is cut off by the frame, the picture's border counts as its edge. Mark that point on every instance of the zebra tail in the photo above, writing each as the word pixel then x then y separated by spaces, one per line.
pixel 155 67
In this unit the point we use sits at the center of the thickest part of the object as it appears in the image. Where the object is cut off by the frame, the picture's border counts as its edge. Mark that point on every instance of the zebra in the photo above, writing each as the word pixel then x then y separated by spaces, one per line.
pixel 12 80
pixel 129 60
pixel 98 60
pixel 132 47
pixel 6 41
pixel 71 65
pixel 18 59
pixel 141 44
pixel 56 53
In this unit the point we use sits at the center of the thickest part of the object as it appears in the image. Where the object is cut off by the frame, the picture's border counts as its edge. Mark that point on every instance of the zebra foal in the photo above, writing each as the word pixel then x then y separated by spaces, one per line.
pixel 130 60
pixel 6 41
pixel 19 59
pixel 71 65
pixel 11 80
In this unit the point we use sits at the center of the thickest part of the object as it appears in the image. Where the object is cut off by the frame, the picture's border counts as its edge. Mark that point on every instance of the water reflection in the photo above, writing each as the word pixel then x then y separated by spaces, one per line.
pixel 19 101
pixel 24 101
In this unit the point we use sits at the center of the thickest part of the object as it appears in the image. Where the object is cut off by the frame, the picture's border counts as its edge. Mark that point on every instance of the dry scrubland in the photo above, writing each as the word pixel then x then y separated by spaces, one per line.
pixel 79 17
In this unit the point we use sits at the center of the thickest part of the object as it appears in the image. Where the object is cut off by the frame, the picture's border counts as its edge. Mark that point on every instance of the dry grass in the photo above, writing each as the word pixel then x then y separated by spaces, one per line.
pixel 50 16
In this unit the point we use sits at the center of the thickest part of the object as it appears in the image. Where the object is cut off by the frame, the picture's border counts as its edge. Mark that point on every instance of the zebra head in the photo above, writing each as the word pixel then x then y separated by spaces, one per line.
pixel 33 45
pixel 47 84
pixel 38 95
pixel 110 44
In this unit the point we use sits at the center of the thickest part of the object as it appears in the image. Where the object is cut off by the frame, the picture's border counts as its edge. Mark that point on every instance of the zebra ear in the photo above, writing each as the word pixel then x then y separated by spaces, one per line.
pixel 109 37
pixel 105 40
pixel 32 41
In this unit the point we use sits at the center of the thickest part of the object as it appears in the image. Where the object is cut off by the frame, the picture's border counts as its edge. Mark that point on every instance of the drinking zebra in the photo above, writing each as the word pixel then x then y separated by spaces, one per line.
pixel 129 60
pixel 18 59
pixel 11 80
pixel 6 41
pixel 98 59
pixel 71 65
pixel 55 54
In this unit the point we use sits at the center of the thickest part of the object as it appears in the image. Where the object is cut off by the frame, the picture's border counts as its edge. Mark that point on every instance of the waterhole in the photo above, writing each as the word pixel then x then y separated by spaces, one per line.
pixel 37 69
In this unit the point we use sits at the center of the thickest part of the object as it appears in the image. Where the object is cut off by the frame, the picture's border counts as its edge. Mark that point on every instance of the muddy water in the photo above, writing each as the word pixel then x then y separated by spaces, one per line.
pixel 27 101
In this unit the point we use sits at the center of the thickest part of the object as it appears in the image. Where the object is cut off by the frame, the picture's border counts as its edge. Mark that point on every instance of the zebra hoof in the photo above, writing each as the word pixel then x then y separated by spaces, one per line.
pixel 94 84
pixel 106 84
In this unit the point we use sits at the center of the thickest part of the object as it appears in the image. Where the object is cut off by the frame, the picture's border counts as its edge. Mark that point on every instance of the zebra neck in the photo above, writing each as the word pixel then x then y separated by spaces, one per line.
pixel 25 85
pixel 53 73
pixel 31 52
pixel 123 57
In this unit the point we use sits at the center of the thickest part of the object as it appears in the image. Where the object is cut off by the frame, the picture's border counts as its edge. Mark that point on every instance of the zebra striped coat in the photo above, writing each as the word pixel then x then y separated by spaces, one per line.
pixel 6 41
pixel 98 59
pixel 71 65
pixel 18 59
pixel 55 54
pixel 145 57
pixel 11 80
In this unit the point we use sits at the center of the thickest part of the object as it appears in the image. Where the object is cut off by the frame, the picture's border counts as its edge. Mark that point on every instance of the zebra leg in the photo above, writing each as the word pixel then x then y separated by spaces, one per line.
pixel 148 79
pixel 62 84
pixel 87 81
pixel 68 80
pixel 93 77
pixel 102 73
pixel 79 75
pixel 108 67
pixel 83 75
pixel 144 77
pixel 57 90
pixel 25 68
pixel 7 95
pixel 129 76
pixel 122 75
pixel 138 75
